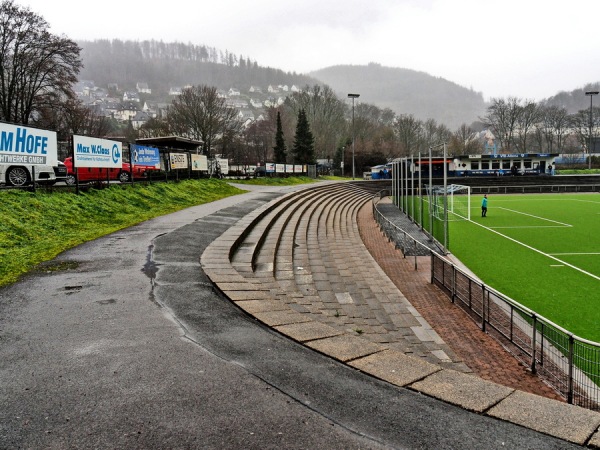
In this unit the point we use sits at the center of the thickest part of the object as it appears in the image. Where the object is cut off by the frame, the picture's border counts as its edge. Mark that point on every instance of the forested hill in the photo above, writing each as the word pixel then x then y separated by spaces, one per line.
pixel 406 91
pixel 165 65
pixel 575 100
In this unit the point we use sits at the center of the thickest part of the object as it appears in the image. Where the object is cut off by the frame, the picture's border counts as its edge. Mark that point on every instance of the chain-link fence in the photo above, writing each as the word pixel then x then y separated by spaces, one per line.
pixel 568 363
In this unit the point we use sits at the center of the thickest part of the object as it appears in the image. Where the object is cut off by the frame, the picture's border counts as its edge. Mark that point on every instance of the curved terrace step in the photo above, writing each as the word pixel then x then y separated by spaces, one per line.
pixel 298 265
pixel 308 250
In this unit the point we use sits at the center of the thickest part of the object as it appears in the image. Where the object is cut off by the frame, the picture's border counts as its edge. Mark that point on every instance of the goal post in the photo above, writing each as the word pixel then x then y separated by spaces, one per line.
pixel 459 202
pixel 458 198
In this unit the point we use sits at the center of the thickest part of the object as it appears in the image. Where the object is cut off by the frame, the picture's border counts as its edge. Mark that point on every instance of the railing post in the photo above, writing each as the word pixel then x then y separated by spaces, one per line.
pixel 470 293
pixel 432 263
pixel 570 381
pixel 533 342
pixel 542 335
pixel 483 307
pixel 415 242
pixel 453 283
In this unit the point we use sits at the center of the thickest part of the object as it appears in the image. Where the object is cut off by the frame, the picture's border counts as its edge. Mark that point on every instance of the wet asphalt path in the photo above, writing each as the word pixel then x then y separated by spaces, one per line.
pixel 128 345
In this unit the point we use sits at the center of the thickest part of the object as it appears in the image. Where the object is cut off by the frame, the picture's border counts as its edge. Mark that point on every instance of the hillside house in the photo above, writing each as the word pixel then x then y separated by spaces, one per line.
pixel 126 111
pixel 143 88
pixel 245 114
pixel 130 96
pixel 139 119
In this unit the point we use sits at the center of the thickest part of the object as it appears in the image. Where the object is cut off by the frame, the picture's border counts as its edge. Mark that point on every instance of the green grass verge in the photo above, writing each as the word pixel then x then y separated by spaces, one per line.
pixel 275 181
pixel 37 227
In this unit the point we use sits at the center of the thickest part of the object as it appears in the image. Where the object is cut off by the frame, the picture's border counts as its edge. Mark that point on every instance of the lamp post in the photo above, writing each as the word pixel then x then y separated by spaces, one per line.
pixel 353 96
pixel 591 94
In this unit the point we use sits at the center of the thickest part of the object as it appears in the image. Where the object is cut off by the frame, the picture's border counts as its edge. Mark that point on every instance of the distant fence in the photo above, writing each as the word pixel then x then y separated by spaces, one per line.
pixel 568 363
pixel 535 188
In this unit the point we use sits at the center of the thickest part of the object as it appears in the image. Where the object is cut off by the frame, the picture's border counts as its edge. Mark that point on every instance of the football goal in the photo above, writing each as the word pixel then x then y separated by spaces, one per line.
pixel 459 202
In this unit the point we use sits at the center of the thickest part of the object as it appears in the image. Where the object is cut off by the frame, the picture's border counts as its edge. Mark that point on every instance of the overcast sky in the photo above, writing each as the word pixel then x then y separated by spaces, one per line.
pixel 526 48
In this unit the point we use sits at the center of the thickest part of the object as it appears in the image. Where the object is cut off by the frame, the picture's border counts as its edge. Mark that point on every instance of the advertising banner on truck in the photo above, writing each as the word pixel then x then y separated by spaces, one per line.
pixel 27 146
pixel 94 152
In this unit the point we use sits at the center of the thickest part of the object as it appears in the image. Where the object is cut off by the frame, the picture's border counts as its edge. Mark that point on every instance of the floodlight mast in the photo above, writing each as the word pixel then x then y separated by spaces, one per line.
pixel 353 96
pixel 591 94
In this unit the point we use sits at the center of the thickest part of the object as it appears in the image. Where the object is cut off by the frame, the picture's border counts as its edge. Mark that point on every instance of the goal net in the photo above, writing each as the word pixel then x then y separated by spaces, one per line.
pixel 458 197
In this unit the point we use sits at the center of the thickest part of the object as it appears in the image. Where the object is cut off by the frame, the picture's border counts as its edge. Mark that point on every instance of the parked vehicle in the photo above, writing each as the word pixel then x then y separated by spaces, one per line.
pixel 61 171
pixel 88 174
pixel 22 175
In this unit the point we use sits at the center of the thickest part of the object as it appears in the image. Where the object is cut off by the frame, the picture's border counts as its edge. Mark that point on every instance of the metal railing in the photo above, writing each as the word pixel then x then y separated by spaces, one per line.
pixel 535 188
pixel 568 363
pixel 402 239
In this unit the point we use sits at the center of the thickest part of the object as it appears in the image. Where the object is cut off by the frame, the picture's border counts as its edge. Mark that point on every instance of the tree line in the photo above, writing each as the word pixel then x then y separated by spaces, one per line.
pixel 525 126
pixel 39 70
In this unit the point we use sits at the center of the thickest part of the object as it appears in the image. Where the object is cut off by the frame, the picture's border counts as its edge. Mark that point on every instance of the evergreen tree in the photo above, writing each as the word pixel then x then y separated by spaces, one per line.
pixel 279 149
pixel 304 142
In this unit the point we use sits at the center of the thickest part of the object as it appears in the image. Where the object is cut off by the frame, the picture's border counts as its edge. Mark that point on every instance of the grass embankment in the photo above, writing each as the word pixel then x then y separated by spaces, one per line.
pixel 37 227
pixel 281 181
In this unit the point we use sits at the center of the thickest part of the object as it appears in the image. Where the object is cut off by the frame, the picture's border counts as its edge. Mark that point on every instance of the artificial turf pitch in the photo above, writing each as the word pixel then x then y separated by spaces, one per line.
pixel 543 251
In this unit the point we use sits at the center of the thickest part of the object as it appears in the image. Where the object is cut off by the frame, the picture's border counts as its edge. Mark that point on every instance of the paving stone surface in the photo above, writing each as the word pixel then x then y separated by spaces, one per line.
pixel 345 347
pixel 395 367
pixel 479 351
pixel 567 422
pixel 465 390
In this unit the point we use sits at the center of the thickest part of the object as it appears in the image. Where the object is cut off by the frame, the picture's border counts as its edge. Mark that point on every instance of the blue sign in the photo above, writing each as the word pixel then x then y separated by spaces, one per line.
pixel 145 156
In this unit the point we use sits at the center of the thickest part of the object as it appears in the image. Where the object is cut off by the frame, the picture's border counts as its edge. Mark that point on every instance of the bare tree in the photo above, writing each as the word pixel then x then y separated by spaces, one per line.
pixel 409 132
pixel 464 141
pixel 580 124
pixel 154 127
pixel 38 68
pixel 200 113
pixel 325 115
pixel 501 117
pixel 73 117
pixel 554 124
pixel 527 117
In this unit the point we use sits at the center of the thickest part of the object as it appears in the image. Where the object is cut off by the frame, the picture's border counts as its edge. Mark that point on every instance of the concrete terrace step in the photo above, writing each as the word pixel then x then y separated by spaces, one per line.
pixel 323 284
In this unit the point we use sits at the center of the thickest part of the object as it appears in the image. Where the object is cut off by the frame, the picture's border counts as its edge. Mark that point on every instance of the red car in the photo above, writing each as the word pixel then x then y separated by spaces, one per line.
pixel 87 174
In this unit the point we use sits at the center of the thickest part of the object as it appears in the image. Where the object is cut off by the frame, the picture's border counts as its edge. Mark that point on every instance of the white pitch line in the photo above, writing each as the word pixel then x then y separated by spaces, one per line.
pixel 576 254
pixel 540 252
pixel 533 226
pixel 535 217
